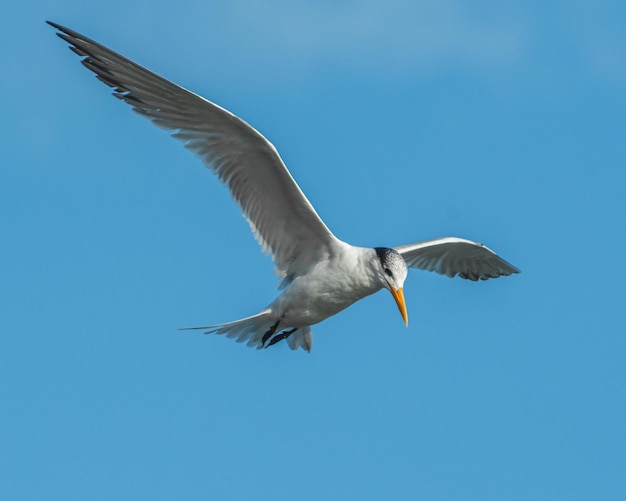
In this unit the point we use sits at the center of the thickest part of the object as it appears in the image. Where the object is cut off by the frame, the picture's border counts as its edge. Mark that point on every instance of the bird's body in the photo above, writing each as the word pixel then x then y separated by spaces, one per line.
pixel 320 274
pixel 330 287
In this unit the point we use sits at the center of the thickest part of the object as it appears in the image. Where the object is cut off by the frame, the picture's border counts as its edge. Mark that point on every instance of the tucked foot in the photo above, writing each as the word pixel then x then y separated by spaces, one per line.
pixel 270 332
pixel 280 337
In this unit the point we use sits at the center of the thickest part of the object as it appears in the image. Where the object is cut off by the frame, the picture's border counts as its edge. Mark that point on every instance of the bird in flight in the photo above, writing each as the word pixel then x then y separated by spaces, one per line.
pixel 320 274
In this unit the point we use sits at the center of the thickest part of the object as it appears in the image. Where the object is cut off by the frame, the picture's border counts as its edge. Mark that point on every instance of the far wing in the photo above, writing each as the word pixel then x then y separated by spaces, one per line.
pixel 453 256
pixel 281 217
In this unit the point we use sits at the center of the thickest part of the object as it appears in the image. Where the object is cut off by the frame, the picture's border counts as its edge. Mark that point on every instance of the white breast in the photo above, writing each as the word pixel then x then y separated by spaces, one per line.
pixel 331 286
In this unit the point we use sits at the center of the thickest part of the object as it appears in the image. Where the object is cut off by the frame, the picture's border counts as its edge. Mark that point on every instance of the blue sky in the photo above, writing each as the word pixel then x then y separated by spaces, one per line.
pixel 401 121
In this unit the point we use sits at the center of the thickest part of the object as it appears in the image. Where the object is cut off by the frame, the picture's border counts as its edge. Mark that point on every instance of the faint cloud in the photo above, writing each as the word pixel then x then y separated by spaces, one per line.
pixel 513 41
pixel 397 36
pixel 599 36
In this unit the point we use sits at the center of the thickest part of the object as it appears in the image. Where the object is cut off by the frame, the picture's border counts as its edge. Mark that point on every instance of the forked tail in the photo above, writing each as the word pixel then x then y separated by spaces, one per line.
pixel 261 330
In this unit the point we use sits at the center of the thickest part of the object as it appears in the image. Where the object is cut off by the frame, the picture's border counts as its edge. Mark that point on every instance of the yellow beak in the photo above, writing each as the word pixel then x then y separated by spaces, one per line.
pixel 398 295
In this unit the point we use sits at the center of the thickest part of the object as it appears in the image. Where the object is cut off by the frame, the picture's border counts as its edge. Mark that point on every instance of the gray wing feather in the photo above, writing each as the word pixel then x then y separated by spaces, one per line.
pixel 282 219
pixel 453 256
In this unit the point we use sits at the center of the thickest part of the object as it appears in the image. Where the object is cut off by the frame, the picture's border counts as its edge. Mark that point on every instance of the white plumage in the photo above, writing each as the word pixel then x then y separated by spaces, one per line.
pixel 321 275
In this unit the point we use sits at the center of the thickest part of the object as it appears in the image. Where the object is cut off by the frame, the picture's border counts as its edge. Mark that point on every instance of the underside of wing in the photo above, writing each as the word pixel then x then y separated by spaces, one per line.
pixel 281 217
pixel 453 256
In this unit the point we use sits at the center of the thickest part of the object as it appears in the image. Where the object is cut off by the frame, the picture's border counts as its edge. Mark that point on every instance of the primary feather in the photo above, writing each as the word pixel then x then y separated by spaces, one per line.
pixel 245 161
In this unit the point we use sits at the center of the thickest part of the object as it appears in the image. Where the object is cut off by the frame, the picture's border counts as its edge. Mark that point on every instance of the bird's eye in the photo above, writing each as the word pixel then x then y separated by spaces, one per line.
pixel 388 272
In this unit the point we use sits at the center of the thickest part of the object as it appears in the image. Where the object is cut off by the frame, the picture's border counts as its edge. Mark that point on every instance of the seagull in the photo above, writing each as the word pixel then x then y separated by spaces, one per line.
pixel 320 275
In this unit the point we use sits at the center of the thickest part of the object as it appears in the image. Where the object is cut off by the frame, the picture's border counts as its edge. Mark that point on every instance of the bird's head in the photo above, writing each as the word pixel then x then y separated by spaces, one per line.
pixel 393 272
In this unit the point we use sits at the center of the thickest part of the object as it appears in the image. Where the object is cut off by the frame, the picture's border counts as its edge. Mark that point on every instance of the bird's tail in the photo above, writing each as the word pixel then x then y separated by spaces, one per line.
pixel 302 338
pixel 253 329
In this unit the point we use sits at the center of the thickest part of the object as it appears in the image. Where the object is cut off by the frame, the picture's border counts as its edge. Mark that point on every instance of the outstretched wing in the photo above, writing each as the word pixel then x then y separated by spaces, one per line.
pixel 453 256
pixel 282 219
